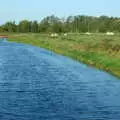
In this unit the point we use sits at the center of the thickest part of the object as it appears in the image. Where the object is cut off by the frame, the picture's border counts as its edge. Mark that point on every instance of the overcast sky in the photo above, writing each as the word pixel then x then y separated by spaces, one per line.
pixel 37 9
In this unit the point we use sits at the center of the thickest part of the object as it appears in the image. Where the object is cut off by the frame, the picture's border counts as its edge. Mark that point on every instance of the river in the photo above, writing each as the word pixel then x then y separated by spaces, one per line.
pixel 37 84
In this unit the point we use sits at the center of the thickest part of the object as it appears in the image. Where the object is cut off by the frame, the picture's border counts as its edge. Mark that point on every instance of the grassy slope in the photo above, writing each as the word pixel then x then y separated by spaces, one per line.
pixel 97 50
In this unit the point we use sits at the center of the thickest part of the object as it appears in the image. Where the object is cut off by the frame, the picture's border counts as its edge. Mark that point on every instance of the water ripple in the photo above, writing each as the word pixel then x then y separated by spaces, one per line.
pixel 36 84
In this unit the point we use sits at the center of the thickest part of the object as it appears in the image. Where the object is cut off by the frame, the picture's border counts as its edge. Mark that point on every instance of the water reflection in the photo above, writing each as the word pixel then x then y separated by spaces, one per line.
pixel 3 39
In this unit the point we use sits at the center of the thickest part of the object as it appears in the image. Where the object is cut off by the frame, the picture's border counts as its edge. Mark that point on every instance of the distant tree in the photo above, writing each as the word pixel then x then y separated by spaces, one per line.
pixel 9 27
pixel 24 26
pixel 44 25
pixel 34 27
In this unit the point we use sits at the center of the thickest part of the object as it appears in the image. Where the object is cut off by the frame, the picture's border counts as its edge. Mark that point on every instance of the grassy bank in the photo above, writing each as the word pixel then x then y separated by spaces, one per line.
pixel 97 50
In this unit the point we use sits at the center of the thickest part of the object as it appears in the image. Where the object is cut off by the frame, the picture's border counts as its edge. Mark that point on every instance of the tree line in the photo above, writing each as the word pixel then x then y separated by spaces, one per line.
pixel 53 24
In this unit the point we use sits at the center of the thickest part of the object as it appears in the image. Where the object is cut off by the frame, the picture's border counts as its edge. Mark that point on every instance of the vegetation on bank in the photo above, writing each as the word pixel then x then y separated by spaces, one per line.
pixel 99 50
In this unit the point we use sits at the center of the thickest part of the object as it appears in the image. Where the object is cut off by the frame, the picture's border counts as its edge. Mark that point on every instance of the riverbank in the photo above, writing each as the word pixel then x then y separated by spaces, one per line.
pixel 97 50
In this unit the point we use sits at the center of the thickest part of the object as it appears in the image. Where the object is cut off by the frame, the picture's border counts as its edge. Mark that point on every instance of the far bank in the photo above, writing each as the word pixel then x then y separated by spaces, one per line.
pixel 98 50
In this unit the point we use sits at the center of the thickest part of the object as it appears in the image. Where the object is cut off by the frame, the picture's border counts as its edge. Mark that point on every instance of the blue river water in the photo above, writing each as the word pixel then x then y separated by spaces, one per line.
pixel 37 84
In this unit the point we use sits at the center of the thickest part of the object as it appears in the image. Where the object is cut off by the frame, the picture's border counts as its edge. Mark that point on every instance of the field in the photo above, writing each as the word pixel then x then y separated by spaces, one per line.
pixel 98 50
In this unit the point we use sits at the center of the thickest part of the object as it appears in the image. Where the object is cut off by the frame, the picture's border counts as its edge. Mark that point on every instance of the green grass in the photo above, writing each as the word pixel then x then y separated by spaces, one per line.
pixel 97 50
